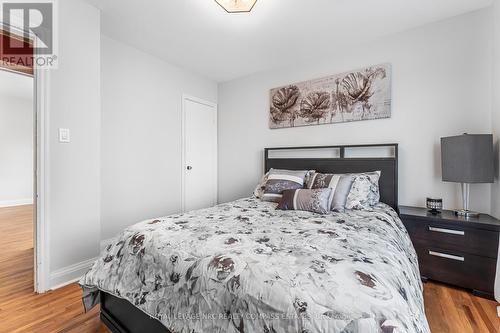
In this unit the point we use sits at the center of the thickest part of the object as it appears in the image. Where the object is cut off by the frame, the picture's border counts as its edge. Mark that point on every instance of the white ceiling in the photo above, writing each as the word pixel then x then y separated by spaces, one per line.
pixel 16 85
pixel 200 36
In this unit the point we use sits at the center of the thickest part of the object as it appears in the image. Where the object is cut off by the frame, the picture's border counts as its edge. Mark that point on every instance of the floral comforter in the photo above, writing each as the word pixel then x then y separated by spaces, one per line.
pixel 246 267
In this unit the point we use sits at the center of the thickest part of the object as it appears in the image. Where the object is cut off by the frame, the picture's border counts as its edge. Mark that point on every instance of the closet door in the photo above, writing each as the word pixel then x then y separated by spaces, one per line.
pixel 199 154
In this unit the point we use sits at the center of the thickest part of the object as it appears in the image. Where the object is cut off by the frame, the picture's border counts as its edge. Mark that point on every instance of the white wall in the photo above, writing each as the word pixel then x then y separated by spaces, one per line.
pixel 74 176
pixel 141 134
pixel 16 147
pixel 495 195
pixel 441 87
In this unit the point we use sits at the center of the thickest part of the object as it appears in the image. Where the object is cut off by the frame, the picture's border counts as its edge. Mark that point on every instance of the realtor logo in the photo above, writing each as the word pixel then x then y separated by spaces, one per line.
pixel 35 23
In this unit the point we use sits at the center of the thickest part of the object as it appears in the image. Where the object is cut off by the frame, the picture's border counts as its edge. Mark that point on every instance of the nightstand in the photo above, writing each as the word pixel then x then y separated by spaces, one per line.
pixel 454 250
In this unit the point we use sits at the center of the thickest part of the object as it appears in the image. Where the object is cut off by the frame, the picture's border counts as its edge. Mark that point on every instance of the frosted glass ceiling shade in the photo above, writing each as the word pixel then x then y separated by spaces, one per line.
pixel 237 6
pixel 468 158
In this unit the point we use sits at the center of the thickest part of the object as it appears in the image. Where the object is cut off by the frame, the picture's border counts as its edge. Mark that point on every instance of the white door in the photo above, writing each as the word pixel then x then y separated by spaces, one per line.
pixel 200 154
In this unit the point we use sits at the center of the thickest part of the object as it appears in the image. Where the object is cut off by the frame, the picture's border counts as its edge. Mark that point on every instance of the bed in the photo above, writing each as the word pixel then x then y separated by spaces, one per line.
pixel 245 267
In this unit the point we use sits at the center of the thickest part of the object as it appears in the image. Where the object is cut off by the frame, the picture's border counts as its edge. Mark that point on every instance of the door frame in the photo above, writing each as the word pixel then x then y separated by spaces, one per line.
pixel 41 243
pixel 185 98
pixel 41 190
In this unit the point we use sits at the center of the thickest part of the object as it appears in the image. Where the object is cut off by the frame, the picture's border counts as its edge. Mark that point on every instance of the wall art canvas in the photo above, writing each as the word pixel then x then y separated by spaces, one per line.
pixel 357 95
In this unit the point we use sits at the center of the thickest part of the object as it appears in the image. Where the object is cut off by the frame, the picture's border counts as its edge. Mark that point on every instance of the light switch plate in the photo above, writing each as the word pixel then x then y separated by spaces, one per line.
pixel 64 136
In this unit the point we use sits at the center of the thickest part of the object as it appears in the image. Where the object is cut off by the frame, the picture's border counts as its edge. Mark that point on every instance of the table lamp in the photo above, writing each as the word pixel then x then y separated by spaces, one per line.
pixel 467 159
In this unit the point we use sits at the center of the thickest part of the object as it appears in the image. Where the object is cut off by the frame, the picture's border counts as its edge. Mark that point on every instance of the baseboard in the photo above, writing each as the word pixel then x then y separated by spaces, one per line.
pixel 18 202
pixel 70 274
pixel 67 275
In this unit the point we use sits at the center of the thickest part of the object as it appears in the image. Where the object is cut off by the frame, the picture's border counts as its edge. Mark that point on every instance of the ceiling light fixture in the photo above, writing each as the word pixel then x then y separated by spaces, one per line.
pixel 237 6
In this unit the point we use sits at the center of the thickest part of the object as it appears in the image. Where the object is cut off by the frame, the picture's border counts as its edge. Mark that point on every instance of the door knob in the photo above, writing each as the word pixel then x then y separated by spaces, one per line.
pixel 189 167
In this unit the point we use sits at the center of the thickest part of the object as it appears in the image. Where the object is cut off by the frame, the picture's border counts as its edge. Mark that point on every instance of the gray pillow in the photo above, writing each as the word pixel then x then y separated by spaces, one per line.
pixel 281 180
pixel 365 191
pixel 340 185
pixel 316 201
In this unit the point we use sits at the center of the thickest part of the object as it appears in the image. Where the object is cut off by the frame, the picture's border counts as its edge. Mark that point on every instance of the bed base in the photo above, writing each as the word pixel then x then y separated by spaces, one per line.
pixel 120 316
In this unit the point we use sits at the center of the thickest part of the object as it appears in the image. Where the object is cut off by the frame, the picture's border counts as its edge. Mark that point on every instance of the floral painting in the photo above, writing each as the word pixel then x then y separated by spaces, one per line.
pixel 357 95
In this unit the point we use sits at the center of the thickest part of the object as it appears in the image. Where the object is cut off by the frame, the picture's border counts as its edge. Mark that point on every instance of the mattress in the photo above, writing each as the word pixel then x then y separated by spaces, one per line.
pixel 245 267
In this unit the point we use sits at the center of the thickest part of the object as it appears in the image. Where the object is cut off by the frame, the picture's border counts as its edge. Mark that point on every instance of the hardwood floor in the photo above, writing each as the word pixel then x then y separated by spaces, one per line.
pixel 453 310
pixel 21 310
pixel 449 310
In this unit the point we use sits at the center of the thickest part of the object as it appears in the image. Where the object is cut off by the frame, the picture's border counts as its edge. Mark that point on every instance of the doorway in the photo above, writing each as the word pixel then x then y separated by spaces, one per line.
pixel 17 182
pixel 199 152
pixel 20 65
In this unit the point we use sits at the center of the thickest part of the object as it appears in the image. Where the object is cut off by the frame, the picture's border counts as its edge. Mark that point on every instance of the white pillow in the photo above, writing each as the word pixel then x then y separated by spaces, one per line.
pixel 259 190
pixel 365 191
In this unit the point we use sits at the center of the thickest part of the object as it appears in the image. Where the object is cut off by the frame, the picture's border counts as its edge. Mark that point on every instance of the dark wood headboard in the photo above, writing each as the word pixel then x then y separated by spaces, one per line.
pixel 339 162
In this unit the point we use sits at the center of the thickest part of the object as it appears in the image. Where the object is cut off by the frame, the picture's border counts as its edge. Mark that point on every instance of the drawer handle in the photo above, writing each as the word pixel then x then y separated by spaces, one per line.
pixel 447 231
pixel 447 256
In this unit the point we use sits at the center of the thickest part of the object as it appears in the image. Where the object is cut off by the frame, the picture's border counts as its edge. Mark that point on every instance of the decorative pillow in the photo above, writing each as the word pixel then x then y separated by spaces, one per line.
pixel 281 180
pixel 259 190
pixel 261 187
pixel 316 201
pixel 340 185
pixel 365 191
pixel 309 174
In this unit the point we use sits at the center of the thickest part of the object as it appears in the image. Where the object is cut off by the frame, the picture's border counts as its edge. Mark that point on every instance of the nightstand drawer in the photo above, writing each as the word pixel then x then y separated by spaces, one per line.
pixel 457 268
pixel 453 237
